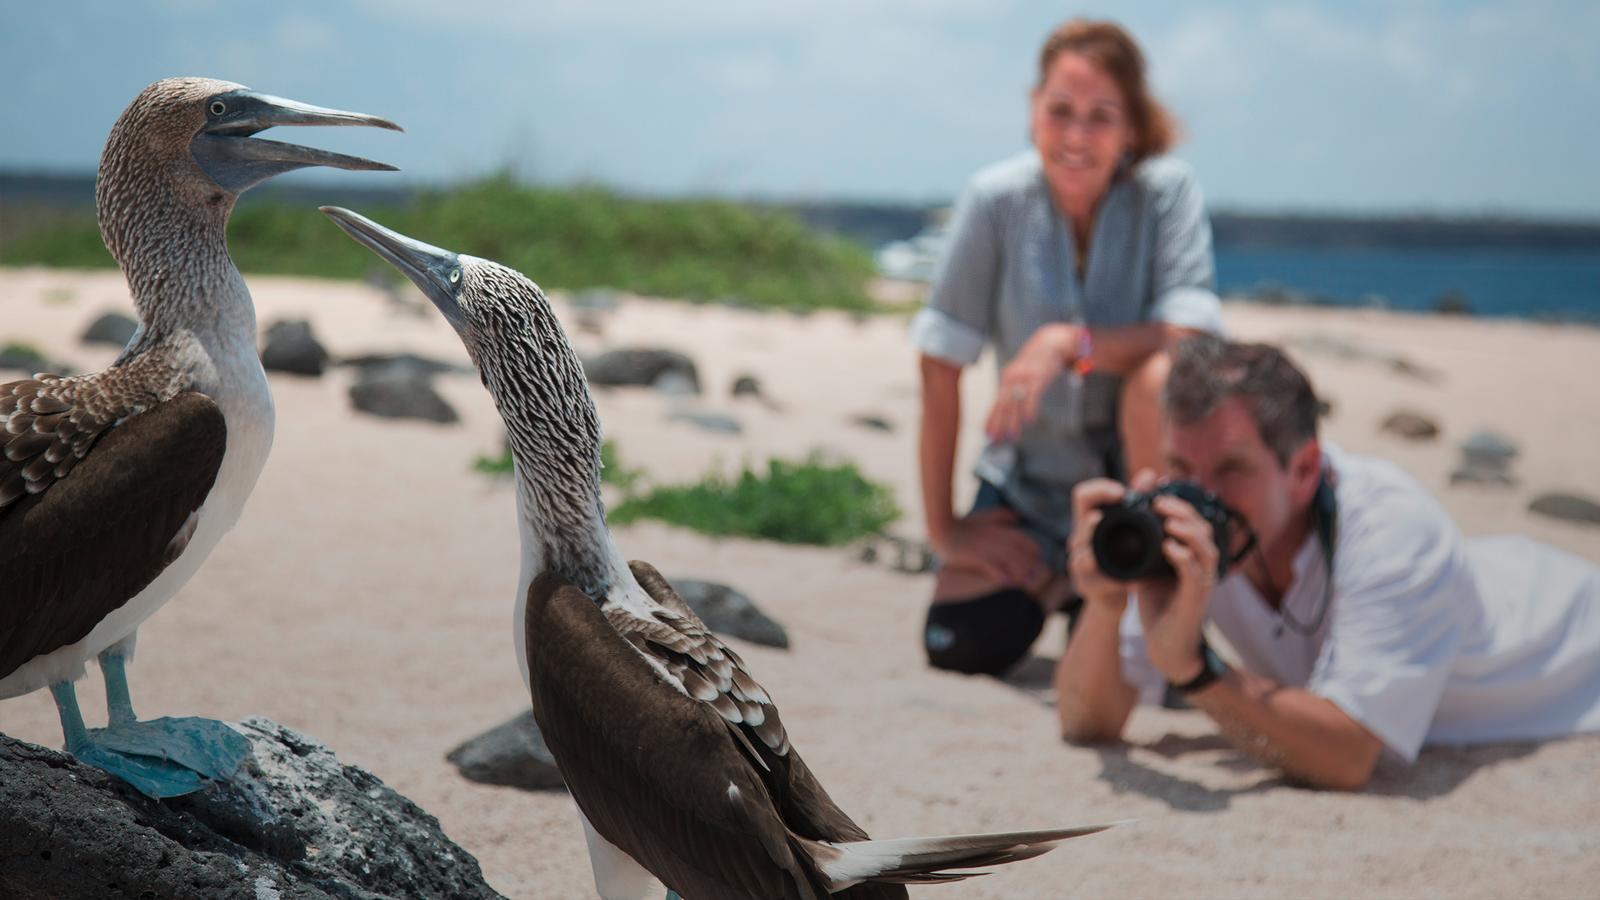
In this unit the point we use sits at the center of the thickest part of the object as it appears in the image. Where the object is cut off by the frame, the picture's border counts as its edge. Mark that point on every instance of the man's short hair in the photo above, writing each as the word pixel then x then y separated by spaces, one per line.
pixel 1207 370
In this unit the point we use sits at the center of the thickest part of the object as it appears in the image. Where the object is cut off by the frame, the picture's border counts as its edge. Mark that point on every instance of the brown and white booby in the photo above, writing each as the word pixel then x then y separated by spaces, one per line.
pixel 679 764
pixel 114 486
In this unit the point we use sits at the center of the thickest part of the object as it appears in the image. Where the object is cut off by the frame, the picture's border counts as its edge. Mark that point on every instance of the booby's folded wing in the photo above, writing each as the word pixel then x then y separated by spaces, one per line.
pixel 73 549
pixel 802 802
pixel 656 772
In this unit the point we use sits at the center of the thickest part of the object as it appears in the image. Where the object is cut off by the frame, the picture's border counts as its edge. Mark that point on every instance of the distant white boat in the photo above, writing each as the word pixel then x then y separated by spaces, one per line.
pixel 917 258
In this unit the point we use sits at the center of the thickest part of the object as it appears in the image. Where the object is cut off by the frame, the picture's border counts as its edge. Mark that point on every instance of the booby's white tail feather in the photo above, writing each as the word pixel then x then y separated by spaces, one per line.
pixel 924 860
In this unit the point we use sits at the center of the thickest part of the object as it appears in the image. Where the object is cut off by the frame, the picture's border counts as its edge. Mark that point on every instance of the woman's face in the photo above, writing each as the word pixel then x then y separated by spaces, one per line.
pixel 1080 128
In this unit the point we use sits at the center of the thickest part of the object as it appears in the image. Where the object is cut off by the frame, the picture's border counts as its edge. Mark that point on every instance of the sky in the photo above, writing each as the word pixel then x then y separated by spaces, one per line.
pixel 1356 106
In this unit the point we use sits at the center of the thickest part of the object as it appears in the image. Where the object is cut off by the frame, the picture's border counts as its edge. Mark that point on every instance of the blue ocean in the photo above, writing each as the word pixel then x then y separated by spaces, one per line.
pixel 1553 284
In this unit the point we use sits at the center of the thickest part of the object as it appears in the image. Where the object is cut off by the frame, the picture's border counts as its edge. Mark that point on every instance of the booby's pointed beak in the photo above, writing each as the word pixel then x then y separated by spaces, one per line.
pixel 234 159
pixel 435 271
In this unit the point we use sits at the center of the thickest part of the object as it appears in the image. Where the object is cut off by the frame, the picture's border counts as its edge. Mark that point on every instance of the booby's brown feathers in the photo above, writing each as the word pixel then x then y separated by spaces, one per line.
pixel 77 543
pixel 653 770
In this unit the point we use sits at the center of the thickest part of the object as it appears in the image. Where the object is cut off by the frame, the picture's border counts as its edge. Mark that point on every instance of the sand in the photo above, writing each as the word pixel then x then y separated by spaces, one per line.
pixel 365 599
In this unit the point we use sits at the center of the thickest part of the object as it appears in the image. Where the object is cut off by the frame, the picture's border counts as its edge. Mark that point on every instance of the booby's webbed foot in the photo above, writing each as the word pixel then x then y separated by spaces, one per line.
pixel 153 777
pixel 171 754
pixel 673 895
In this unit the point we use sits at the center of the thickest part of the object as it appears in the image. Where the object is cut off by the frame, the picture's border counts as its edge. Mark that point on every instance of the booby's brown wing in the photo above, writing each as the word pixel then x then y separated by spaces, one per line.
pixel 73 549
pixel 800 800
pixel 655 772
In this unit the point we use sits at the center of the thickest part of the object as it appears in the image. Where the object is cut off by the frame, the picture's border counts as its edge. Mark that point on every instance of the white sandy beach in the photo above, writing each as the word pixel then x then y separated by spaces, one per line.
pixel 365 599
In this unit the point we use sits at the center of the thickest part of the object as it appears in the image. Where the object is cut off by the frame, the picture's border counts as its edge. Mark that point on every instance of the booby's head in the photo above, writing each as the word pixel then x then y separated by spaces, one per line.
pixel 538 385
pixel 509 330
pixel 192 141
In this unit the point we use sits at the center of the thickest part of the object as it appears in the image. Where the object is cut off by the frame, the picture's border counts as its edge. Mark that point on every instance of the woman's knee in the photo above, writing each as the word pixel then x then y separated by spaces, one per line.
pixel 985 635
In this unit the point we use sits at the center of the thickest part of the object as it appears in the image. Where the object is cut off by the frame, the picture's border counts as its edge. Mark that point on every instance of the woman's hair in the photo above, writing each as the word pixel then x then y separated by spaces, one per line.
pixel 1114 51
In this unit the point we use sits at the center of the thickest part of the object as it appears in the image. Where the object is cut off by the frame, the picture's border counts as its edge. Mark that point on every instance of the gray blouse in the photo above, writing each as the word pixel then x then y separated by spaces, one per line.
pixel 1008 268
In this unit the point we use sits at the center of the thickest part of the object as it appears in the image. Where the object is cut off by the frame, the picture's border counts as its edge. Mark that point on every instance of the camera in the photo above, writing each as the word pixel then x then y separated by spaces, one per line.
pixel 1127 542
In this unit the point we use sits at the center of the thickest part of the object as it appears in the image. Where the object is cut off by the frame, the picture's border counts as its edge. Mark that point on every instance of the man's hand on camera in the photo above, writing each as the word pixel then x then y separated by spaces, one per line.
pixel 991 543
pixel 1093 585
pixel 1172 610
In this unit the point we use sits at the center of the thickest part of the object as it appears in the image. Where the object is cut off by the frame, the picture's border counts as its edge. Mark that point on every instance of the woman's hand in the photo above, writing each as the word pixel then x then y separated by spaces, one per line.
pixel 991 544
pixel 1023 381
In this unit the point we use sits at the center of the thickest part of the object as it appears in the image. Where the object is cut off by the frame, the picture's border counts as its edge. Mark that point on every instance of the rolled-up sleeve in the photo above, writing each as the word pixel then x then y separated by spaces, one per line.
pixel 958 319
pixel 1184 271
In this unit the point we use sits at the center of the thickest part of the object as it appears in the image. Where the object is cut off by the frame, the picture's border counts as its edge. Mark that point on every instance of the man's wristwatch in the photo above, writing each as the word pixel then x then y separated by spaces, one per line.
pixel 1211 668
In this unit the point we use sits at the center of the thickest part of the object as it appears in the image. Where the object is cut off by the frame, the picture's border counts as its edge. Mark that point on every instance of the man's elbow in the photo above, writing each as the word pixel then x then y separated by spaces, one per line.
pixel 1082 730
pixel 1353 769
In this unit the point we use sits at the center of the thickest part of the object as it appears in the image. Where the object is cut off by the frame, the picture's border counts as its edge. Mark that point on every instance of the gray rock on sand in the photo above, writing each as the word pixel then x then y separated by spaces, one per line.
pixel 873 422
pixel 1567 507
pixel 511 754
pixel 638 367
pixel 294 823
pixel 1485 459
pixel 1413 426
pixel 113 328
pixel 707 420
pixel 747 386
pixel 1488 448
pixel 372 365
pixel 291 347
pixel 399 394
pixel 674 383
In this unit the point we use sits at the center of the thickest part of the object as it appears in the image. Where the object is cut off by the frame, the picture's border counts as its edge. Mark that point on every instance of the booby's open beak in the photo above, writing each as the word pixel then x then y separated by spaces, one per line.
pixel 237 161
pixel 435 271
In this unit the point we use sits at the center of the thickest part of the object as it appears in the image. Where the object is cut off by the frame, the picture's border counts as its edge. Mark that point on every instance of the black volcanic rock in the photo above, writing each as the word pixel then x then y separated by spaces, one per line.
pixel 294 824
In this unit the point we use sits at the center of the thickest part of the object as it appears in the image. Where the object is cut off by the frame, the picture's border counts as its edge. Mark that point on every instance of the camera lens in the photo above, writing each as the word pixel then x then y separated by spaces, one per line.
pixel 1127 543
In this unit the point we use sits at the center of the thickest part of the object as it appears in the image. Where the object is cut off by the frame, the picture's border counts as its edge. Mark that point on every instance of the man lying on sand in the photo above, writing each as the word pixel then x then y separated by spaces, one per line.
pixel 1365 625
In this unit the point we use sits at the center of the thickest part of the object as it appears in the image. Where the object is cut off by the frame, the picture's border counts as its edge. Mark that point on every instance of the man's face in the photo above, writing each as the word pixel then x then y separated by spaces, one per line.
pixel 1224 454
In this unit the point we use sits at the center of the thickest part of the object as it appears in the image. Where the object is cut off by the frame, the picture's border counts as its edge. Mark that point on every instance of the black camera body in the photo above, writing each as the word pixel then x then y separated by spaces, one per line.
pixel 1127 542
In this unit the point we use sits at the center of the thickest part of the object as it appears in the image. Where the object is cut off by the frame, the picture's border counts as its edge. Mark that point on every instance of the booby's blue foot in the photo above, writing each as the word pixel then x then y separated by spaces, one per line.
pixel 164 757
pixel 673 895
pixel 152 777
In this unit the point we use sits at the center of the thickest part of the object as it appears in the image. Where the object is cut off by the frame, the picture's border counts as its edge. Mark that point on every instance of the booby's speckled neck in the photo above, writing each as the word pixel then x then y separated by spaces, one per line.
pixel 554 430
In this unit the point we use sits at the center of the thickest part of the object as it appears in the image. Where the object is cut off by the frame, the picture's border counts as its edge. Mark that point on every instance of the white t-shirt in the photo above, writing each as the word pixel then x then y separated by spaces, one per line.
pixel 1428 638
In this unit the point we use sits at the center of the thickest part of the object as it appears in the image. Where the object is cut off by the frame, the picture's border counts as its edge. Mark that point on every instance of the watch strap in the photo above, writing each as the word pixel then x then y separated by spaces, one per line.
pixel 1212 668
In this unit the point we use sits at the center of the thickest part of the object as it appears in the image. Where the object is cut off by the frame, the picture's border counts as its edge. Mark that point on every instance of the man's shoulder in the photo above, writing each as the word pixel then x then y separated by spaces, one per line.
pixel 1382 509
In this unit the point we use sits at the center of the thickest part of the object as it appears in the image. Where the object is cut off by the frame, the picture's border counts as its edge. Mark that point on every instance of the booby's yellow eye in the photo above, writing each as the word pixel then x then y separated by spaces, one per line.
pixel 455 275
pixel 218 107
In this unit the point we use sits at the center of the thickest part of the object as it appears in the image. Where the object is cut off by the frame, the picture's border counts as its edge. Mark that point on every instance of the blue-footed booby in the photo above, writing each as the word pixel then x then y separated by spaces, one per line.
pixel 680 766
pixel 114 486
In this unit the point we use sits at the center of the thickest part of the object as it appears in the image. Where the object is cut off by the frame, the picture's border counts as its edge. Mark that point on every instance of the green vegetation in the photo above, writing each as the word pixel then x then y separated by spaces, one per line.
pixel 23 354
pixel 808 502
pixel 570 238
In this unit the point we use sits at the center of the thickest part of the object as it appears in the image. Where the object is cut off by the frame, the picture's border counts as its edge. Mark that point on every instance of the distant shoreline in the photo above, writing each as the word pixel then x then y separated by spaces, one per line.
pixel 875 223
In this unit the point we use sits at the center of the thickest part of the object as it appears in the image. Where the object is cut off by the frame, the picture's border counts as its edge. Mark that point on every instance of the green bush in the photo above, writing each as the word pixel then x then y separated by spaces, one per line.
pixel 807 502
pixel 568 238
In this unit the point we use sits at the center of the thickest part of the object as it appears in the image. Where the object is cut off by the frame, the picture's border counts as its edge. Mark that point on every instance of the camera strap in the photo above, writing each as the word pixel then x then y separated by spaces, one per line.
pixel 1325 519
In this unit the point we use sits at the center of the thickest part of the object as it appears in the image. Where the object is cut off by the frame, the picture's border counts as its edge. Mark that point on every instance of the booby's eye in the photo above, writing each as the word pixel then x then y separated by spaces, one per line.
pixel 218 107
pixel 455 275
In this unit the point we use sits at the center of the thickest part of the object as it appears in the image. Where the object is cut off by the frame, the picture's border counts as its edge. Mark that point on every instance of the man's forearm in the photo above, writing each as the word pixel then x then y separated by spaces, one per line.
pixel 1308 737
pixel 1092 698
